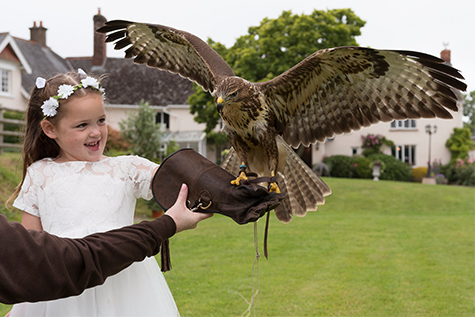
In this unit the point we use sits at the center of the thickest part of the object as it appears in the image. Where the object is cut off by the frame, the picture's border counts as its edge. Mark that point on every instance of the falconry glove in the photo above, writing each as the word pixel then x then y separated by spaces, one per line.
pixel 209 191
pixel 209 188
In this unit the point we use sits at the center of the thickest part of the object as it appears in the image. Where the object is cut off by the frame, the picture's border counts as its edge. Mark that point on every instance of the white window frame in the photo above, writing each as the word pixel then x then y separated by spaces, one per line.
pixel 400 153
pixel 5 81
pixel 409 124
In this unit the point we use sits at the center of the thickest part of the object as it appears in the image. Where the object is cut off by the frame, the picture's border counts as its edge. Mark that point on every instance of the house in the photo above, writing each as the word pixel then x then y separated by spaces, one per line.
pixel 21 61
pixel 126 84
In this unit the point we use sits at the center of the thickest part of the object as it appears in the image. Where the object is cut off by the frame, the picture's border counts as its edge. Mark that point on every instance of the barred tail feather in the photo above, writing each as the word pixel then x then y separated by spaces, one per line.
pixel 304 189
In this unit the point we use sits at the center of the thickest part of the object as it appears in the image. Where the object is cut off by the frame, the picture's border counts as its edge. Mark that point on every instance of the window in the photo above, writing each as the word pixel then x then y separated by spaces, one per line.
pixel 354 150
pixel 4 81
pixel 405 153
pixel 403 124
pixel 163 119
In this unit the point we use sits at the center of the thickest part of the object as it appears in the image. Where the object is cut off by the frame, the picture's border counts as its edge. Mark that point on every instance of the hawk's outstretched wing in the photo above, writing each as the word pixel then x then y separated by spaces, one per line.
pixel 333 91
pixel 168 49
pixel 339 90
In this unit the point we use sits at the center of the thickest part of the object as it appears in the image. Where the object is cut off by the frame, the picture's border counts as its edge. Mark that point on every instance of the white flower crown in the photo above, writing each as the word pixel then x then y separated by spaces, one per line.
pixel 64 91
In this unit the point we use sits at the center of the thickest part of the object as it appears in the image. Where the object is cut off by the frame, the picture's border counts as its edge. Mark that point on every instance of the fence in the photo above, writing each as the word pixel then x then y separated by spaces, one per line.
pixel 9 133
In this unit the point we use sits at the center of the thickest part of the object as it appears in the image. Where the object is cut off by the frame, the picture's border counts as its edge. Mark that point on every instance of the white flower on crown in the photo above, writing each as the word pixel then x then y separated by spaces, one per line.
pixel 64 91
pixel 49 107
pixel 40 82
pixel 89 81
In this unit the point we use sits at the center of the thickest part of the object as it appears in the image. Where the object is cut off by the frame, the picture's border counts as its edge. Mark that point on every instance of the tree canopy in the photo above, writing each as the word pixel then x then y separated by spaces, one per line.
pixel 469 111
pixel 275 46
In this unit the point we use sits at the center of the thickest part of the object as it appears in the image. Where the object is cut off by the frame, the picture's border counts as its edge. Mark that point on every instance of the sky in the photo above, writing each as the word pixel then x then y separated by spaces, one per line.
pixel 419 25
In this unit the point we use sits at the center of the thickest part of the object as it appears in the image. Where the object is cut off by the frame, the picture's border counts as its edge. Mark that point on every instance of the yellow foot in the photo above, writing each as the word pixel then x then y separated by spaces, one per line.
pixel 273 188
pixel 242 177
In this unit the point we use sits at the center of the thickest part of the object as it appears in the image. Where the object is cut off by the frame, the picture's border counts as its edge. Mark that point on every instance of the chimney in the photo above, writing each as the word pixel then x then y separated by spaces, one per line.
pixel 38 34
pixel 99 55
pixel 445 55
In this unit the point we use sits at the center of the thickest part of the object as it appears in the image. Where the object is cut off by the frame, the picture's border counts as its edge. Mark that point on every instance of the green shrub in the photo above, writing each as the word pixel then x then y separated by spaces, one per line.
pixel 465 172
pixel 341 166
pixel 460 143
pixel 460 172
pixel 16 115
pixel 363 167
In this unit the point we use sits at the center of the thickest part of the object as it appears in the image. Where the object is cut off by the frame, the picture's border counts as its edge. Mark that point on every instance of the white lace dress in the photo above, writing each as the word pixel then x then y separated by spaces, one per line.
pixel 74 199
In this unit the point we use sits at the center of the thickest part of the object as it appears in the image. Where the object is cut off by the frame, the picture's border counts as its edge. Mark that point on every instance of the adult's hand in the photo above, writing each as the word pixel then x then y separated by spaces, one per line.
pixel 184 218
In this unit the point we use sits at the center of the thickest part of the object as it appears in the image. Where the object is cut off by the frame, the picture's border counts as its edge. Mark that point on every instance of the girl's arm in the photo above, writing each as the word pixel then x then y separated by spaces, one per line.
pixel 31 222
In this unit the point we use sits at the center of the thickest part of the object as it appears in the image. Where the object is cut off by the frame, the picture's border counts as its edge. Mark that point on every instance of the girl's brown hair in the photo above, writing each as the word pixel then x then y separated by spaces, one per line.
pixel 37 145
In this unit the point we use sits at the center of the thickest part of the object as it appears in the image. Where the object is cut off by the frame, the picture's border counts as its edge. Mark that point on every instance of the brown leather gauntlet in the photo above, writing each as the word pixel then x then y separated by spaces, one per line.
pixel 210 189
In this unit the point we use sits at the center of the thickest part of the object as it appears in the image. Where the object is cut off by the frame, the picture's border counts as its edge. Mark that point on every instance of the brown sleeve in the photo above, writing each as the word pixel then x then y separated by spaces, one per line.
pixel 37 266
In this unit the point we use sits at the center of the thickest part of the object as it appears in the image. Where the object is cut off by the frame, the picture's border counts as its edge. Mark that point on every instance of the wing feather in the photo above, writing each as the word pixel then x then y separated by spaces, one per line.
pixel 340 90
pixel 168 49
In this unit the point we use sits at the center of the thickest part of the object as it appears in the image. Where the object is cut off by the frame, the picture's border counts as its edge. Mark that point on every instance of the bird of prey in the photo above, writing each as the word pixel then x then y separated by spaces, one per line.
pixel 333 91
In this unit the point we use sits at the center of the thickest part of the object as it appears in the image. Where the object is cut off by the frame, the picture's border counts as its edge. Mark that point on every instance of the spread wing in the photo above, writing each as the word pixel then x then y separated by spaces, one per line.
pixel 168 49
pixel 339 90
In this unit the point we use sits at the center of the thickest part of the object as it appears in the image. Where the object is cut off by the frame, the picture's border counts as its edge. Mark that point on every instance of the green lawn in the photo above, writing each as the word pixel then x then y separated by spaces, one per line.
pixel 374 249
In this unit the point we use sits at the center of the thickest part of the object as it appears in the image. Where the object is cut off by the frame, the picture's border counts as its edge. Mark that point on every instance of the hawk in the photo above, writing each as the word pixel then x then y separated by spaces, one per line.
pixel 333 91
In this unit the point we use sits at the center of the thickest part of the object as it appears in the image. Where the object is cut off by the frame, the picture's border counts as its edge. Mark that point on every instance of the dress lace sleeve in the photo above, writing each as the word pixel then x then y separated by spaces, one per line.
pixel 27 199
pixel 141 172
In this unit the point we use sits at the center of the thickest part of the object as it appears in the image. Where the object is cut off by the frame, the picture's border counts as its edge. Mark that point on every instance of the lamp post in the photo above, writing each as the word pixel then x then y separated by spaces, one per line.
pixel 430 129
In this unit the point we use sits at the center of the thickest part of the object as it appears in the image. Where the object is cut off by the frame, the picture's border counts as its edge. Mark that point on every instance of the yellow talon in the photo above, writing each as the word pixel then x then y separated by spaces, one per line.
pixel 242 177
pixel 274 188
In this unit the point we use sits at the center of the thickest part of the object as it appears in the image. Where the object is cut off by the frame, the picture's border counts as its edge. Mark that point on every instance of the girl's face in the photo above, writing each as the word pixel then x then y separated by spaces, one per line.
pixel 82 131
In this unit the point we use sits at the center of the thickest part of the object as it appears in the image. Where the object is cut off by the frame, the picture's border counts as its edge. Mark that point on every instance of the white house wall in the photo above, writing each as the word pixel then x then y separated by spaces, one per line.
pixel 343 144
pixel 14 100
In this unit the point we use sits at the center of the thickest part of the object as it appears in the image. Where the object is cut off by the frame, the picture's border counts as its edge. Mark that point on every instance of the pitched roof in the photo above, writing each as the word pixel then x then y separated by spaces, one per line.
pixel 43 61
pixel 128 83
pixel 8 44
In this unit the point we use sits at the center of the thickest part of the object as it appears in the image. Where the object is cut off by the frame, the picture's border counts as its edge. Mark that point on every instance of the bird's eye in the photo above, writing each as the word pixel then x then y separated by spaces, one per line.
pixel 234 94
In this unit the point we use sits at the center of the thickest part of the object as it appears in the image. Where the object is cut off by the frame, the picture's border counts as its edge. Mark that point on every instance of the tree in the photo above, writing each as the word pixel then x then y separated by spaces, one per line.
pixel 275 46
pixel 469 111
pixel 141 131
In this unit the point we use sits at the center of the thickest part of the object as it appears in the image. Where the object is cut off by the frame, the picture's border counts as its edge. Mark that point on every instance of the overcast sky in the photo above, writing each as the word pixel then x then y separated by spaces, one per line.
pixel 404 24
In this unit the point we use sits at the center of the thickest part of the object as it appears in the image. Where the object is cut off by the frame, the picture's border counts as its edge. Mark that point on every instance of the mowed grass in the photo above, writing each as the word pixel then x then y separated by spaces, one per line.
pixel 374 249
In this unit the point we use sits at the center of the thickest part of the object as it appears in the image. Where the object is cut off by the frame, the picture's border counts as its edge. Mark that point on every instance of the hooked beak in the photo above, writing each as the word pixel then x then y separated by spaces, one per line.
pixel 219 104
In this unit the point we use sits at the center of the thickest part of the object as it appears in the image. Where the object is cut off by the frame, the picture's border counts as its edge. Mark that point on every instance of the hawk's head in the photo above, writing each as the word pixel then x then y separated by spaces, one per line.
pixel 231 91
pixel 237 101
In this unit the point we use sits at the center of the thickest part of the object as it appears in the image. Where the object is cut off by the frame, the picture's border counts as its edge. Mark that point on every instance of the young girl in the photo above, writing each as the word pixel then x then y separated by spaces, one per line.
pixel 71 189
